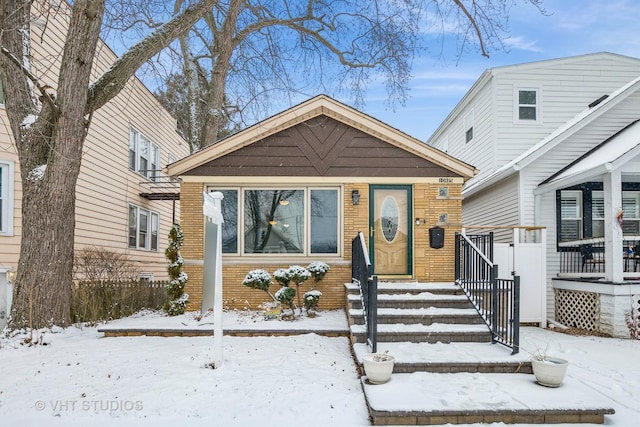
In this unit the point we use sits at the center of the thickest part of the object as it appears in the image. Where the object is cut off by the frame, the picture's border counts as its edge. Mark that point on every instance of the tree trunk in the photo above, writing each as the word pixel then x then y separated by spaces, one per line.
pixel 50 154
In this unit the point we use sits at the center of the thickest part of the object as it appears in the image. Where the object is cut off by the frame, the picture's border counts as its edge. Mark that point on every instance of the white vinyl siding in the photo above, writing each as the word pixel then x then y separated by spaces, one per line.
pixel 497 206
pixel 468 128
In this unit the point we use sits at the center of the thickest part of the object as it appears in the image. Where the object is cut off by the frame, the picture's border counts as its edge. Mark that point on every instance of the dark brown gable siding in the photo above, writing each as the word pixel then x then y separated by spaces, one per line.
pixel 321 146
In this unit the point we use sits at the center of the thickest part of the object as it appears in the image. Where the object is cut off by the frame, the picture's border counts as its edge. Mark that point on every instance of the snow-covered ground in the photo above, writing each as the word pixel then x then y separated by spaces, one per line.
pixel 82 378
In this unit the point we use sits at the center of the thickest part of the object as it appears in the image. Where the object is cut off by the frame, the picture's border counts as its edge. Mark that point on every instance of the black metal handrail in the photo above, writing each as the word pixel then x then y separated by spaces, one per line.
pixel 362 275
pixel 496 300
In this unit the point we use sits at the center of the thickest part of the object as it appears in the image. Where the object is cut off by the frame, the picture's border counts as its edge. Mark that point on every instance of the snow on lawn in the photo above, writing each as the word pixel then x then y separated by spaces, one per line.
pixel 82 378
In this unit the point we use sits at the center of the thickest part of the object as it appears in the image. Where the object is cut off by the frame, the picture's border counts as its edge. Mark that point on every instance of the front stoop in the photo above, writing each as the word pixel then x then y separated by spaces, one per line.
pixel 480 398
pixel 447 371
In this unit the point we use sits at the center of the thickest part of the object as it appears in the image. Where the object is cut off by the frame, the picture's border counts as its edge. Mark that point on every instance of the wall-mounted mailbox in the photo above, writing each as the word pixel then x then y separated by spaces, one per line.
pixel 436 237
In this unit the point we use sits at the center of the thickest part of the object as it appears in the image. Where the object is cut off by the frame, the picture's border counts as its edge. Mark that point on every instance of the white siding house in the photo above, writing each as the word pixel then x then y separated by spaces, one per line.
pixel 545 117
pixel 115 205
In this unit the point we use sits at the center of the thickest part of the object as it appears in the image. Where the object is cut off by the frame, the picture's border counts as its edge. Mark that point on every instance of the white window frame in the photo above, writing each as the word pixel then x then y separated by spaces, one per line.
pixel 578 214
pixel 136 140
pixel 469 124
pixel 307 218
pixel 7 197
pixel 517 105
pixel 151 216
pixel 597 199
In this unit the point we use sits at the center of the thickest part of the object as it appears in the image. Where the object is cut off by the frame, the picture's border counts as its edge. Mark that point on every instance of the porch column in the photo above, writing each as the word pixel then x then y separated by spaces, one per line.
pixel 612 230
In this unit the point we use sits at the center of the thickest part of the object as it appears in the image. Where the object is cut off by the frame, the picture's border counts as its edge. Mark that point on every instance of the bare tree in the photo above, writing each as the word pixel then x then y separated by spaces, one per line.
pixel 49 131
pixel 252 54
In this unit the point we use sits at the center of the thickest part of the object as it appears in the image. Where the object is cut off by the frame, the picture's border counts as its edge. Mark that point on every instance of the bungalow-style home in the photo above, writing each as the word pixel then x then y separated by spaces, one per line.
pixel 557 143
pixel 124 202
pixel 299 186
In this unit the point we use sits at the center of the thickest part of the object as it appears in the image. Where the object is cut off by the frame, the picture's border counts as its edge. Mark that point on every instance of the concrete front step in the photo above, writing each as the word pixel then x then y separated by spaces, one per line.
pixel 422 300
pixel 425 316
pixel 410 288
pixel 449 358
pixel 424 398
pixel 438 332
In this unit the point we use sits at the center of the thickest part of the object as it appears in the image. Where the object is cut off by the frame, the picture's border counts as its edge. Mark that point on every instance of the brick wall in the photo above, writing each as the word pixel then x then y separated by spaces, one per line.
pixel 429 264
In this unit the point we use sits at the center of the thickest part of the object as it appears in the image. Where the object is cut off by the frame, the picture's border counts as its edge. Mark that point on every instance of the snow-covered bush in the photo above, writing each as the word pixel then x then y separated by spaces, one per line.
pixel 258 279
pixel 282 276
pixel 286 295
pixel 311 299
pixel 318 270
pixel 177 303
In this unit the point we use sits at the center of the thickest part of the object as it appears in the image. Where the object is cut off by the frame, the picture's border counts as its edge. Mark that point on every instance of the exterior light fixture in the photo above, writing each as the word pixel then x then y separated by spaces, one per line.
pixel 355 197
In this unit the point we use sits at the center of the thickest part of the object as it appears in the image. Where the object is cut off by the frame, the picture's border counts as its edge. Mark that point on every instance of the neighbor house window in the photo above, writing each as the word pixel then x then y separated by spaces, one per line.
pixel 527 105
pixel 468 127
pixel 300 221
pixel 144 155
pixel 631 212
pixel 6 197
pixel 570 215
pixel 143 229
pixel 597 213
pixel 581 211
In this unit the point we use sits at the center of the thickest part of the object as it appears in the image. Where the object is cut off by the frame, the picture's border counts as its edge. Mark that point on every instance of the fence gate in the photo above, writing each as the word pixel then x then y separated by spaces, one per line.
pixel 529 261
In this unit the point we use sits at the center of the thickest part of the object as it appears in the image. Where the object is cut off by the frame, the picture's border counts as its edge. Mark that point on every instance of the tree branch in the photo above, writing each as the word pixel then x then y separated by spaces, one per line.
pixel 114 80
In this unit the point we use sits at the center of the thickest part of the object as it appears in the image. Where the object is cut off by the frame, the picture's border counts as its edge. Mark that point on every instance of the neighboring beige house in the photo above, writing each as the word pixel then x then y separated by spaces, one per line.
pixel 121 194
pixel 300 185
pixel 557 144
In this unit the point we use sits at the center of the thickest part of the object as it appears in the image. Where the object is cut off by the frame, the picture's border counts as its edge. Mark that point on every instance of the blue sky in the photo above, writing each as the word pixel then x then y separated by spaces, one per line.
pixel 572 27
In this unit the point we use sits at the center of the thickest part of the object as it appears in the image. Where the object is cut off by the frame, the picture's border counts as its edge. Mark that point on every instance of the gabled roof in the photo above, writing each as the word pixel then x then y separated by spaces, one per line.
pixel 487 76
pixel 610 155
pixel 553 139
pixel 317 106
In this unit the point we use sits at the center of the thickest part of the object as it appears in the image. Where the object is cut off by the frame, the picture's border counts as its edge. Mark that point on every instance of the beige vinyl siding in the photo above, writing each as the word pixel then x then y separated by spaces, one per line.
pixel 10 244
pixel 496 206
pixel 105 186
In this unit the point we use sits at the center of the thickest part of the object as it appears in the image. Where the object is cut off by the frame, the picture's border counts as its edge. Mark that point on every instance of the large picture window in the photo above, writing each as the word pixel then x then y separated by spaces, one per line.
pixel 144 155
pixel 301 221
pixel 143 229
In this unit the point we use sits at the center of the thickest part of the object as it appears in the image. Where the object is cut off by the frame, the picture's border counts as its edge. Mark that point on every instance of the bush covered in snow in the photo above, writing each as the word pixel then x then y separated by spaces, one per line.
pixel 258 279
pixel 178 300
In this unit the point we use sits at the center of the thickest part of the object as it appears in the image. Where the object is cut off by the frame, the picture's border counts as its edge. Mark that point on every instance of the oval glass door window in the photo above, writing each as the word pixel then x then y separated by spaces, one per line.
pixel 389 218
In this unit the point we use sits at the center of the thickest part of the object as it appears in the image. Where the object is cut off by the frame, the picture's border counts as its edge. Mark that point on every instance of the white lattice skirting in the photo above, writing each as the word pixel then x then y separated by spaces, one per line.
pixel 578 309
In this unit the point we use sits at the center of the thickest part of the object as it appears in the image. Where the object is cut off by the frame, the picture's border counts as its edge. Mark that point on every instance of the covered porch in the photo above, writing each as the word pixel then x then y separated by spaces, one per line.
pixel 597 241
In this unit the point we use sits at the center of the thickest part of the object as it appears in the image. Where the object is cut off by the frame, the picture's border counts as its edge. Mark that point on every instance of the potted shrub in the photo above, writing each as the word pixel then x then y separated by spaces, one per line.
pixel 378 367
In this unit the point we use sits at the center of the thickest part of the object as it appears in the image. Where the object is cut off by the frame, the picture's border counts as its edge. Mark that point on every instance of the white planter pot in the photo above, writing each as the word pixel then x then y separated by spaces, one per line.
pixel 378 372
pixel 549 372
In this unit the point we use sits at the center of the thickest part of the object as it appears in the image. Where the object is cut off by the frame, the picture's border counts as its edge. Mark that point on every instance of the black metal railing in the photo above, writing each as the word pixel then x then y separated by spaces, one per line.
pixel 586 257
pixel 362 274
pixel 496 300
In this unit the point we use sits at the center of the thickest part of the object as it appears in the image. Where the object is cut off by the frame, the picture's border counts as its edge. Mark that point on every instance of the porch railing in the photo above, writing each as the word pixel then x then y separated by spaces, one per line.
pixel 496 300
pixel 586 257
pixel 362 274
